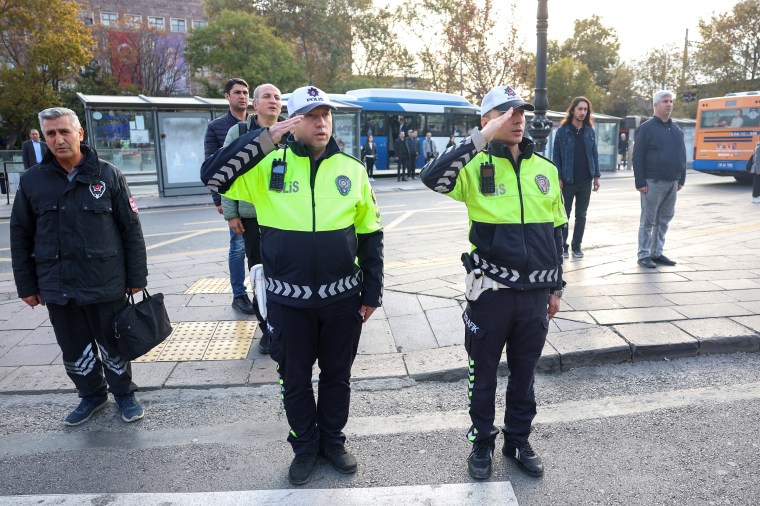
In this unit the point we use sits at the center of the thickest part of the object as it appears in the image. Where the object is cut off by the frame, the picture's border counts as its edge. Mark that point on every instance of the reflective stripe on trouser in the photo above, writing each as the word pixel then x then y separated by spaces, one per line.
pixel 517 320
pixel 90 353
pixel 658 206
pixel 301 337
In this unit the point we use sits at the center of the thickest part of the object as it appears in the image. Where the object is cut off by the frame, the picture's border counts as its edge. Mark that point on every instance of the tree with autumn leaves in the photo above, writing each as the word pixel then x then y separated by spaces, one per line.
pixel 42 44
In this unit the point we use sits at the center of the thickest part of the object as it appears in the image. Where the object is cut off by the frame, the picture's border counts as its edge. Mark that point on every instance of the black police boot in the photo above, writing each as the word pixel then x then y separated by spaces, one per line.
pixel 480 461
pixel 339 458
pixel 522 453
pixel 266 342
pixel 301 468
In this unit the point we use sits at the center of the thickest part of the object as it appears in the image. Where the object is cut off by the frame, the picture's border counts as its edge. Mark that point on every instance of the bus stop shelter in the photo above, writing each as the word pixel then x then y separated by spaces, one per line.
pixel 159 140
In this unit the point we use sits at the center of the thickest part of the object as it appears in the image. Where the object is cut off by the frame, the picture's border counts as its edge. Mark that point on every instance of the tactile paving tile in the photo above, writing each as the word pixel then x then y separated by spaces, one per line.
pixel 152 355
pixel 234 330
pixel 181 351
pixel 192 331
pixel 227 349
pixel 214 285
pixel 227 340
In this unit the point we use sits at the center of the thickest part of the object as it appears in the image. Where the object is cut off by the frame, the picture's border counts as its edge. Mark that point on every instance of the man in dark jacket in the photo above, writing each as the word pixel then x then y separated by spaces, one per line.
pixel 236 93
pixel 659 170
pixel 33 150
pixel 413 145
pixel 401 149
pixel 77 246
pixel 577 160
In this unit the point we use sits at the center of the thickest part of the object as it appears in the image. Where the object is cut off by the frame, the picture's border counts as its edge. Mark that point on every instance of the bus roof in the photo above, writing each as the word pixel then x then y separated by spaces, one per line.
pixel 392 95
pixel 743 93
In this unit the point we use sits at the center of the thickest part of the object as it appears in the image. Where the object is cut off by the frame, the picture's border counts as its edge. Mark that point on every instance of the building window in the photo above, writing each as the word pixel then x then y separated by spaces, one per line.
pixel 86 18
pixel 133 20
pixel 199 24
pixel 155 22
pixel 179 25
pixel 108 18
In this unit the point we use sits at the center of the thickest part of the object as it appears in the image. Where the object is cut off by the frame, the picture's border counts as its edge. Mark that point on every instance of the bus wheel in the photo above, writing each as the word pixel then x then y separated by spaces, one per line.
pixel 743 178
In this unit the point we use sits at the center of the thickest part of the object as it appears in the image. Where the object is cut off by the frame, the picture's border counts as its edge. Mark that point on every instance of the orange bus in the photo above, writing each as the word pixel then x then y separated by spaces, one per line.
pixel 728 129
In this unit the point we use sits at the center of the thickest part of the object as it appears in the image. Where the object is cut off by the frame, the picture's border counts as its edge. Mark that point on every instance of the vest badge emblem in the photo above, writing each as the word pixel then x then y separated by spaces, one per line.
pixel 343 184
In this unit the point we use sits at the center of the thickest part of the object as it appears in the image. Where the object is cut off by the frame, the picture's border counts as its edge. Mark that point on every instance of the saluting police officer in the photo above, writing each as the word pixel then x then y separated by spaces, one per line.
pixel 318 216
pixel 514 280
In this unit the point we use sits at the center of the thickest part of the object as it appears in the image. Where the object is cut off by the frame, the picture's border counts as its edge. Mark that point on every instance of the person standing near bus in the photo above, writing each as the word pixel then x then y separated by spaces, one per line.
pixel 659 170
pixel 401 149
pixel 577 160
pixel 369 153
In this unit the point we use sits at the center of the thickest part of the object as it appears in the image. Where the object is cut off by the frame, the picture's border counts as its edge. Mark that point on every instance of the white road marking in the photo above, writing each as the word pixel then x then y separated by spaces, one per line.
pixel 397 221
pixel 187 236
pixel 492 492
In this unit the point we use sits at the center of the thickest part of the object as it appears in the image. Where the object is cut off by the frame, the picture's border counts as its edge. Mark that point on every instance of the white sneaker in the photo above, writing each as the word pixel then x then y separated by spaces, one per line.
pixel 756 200
pixel 371 179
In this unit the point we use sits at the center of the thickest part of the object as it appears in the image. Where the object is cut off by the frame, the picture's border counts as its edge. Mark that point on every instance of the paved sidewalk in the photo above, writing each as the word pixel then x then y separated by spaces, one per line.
pixel 613 312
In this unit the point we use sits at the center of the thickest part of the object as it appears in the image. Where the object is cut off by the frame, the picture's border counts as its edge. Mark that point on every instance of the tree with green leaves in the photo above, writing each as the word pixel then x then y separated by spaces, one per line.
pixel 377 50
pixel 567 79
pixel 729 54
pixel 660 69
pixel 241 44
pixel 621 98
pixel 595 45
pixel 42 43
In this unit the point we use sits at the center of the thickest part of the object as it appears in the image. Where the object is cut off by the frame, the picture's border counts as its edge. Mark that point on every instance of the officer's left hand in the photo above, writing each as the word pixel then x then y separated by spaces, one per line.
pixel 554 302
pixel 596 184
pixel 679 187
pixel 132 291
pixel 366 312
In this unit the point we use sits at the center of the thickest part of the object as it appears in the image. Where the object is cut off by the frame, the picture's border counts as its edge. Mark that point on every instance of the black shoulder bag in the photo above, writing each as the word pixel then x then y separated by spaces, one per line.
pixel 141 326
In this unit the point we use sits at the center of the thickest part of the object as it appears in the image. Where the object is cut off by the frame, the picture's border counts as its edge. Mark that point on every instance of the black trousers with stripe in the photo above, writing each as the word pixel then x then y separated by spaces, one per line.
pixel 328 336
pixel 517 320
pixel 90 353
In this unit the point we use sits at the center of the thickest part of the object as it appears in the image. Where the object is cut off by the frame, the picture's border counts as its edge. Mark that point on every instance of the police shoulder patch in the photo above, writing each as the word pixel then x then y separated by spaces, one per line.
pixel 344 184
pixel 543 183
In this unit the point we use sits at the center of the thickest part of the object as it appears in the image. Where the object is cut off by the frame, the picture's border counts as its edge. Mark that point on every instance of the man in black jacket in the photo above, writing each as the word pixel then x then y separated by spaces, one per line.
pixel 659 169
pixel 413 145
pixel 401 149
pixel 236 93
pixel 33 150
pixel 77 246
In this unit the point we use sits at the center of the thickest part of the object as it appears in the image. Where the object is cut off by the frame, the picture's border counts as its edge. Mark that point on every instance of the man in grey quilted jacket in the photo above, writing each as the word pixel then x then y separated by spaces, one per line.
pixel 241 215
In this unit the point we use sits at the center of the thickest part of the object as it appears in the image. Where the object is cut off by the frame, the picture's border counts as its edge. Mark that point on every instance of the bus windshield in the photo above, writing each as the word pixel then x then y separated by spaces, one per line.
pixel 728 129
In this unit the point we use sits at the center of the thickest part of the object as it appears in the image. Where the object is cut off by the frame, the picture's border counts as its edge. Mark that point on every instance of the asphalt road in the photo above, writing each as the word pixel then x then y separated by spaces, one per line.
pixel 671 432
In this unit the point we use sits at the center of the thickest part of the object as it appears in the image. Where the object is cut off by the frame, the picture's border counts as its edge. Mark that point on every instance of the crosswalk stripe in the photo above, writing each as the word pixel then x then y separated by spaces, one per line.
pixel 492 492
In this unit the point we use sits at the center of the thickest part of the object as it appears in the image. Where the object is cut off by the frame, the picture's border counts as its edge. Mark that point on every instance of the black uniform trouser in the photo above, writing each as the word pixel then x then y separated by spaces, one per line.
pixel 370 165
pixel 252 239
pixel 411 167
pixel 581 192
pixel 517 319
pixel 90 353
pixel 329 336
pixel 403 168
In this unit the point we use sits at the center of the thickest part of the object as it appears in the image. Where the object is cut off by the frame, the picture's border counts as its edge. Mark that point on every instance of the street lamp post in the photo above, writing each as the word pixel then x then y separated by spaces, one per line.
pixel 541 126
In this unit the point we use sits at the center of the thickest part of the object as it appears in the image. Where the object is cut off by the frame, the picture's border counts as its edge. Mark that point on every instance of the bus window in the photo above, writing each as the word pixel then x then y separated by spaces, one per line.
pixel 374 123
pixel 730 118
pixel 436 125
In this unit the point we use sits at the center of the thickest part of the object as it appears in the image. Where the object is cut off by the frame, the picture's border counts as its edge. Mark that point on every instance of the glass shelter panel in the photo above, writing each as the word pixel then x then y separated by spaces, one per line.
pixel 125 138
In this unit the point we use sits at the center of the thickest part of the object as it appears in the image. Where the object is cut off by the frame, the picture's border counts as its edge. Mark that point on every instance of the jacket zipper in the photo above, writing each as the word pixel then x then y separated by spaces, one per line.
pixel 312 182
